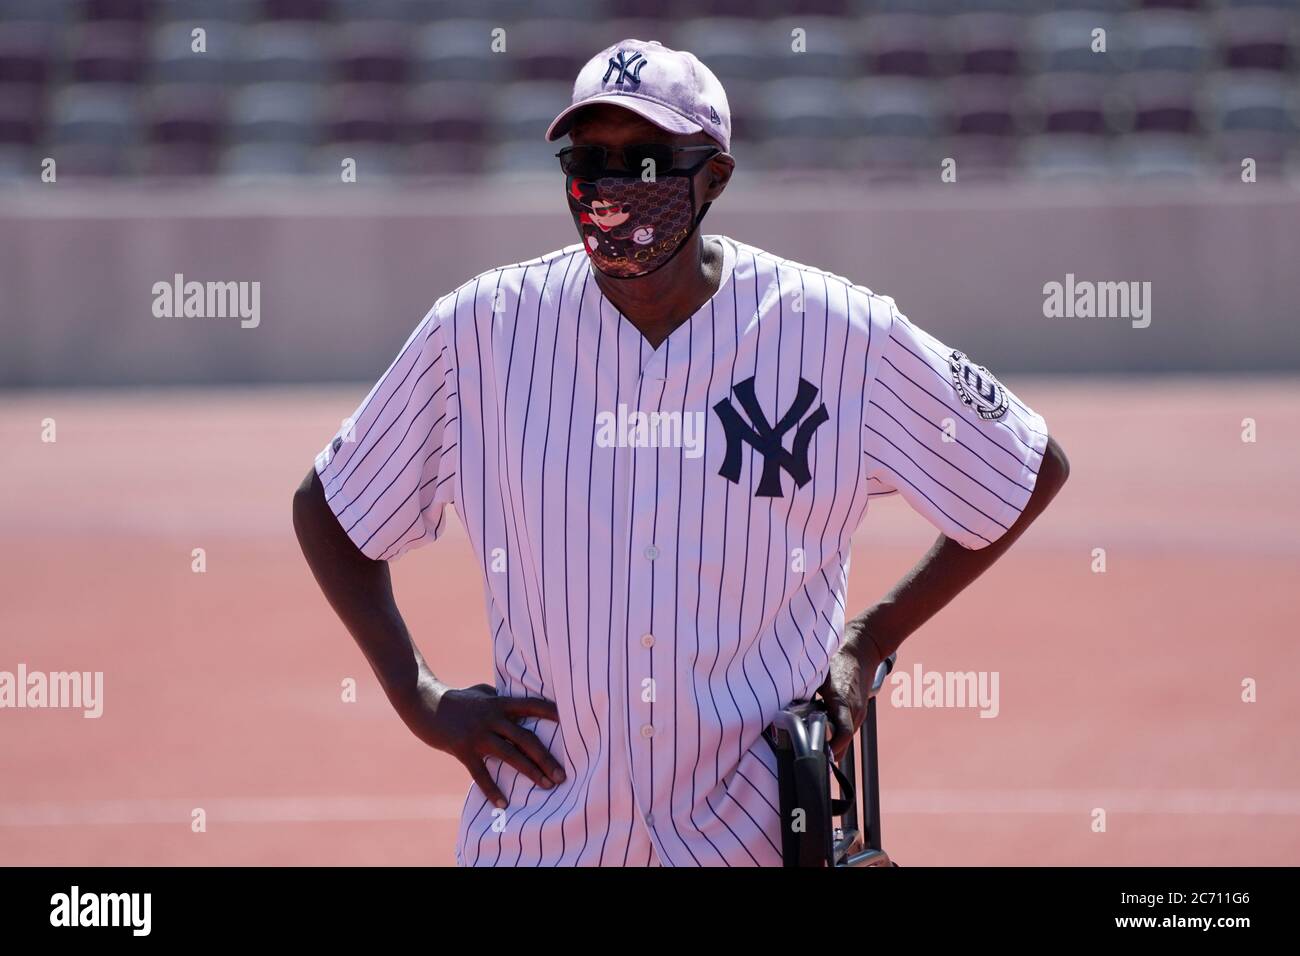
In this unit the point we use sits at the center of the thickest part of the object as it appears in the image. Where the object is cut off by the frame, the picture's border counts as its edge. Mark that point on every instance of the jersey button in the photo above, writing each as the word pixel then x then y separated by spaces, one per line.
pixel 647 640
pixel 651 552
pixel 647 730
pixel 650 819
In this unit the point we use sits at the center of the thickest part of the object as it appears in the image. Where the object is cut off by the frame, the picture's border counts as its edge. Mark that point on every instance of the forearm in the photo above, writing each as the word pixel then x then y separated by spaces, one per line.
pixel 947 569
pixel 361 592
pixel 471 724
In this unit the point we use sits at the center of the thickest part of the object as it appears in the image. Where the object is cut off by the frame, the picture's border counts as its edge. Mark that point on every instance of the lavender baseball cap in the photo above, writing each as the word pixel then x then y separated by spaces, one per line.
pixel 670 88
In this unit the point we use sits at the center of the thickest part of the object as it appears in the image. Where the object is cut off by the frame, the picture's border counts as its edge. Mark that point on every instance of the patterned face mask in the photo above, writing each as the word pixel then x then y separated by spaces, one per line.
pixel 630 227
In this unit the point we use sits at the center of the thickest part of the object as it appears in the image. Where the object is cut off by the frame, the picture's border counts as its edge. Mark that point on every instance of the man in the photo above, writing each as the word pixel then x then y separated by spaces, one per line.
pixel 654 598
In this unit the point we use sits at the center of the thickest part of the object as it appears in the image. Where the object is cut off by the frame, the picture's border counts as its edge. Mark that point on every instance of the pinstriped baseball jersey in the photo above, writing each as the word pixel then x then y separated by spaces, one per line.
pixel 664 534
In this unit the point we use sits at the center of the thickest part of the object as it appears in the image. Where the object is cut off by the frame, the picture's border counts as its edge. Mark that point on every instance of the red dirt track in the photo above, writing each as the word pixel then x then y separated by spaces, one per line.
pixel 1119 691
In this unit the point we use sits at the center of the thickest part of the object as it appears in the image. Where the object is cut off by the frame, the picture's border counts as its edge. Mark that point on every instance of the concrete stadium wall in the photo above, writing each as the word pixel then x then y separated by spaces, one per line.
pixel 346 271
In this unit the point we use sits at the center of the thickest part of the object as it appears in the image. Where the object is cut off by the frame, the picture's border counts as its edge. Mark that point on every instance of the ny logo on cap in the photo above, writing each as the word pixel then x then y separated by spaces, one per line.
pixel 628 67
pixel 766 439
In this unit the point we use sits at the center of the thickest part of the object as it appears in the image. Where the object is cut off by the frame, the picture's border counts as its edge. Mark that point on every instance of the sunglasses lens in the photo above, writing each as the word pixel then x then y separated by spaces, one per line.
pixel 658 155
pixel 584 162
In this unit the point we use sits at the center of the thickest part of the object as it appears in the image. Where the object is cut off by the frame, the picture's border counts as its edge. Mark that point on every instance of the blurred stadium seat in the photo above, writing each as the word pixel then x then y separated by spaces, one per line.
pixel 28 54
pixel 106 51
pixel 173 59
pixel 903 45
pixel 283 53
pixel 986 43
pixel 205 12
pixel 804 109
pixel 825 49
pixel 885 88
pixel 548 50
pixel 1258 39
pixel 732 50
pixel 21 119
pixel 1168 40
pixel 458 50
pixel 1061 42
pixel 44 11
pixel 372 52
pixel 1069 104
pixel 895 107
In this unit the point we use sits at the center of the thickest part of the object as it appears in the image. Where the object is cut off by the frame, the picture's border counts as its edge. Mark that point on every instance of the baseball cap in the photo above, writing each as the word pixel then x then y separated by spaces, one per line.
pixel 670 88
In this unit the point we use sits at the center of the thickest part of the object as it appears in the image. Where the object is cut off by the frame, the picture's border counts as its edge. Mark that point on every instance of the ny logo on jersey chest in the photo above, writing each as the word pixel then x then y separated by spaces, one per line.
pixel 767 439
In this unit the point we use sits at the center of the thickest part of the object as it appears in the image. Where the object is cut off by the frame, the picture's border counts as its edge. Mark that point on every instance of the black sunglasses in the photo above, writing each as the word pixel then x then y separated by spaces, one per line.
pixel 592 162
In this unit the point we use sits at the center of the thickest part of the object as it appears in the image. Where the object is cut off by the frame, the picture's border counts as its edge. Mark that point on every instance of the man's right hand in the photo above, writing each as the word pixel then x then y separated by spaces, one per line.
pixel 473 723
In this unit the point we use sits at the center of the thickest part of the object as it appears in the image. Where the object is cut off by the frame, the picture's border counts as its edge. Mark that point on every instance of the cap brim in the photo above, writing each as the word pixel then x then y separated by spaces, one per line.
pixel 660 115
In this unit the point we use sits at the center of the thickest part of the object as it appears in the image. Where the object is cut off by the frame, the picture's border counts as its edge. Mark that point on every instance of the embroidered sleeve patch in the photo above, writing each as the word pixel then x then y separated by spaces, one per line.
pixel 977 387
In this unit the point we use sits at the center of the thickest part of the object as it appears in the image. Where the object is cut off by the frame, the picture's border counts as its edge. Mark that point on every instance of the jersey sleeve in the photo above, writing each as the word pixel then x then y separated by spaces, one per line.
pixel 944 433
pixel 389 472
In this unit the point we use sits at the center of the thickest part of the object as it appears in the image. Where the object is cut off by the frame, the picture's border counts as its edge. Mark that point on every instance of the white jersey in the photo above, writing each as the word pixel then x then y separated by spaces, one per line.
pixel 664 533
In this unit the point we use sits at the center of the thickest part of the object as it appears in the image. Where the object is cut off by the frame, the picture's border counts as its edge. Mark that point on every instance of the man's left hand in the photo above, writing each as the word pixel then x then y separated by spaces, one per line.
pixel 848 687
